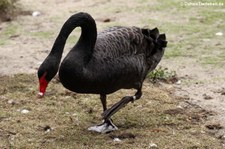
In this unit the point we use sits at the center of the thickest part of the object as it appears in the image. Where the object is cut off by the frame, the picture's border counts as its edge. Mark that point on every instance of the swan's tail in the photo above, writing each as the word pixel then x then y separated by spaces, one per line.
pixel 155 51
pixel 158 39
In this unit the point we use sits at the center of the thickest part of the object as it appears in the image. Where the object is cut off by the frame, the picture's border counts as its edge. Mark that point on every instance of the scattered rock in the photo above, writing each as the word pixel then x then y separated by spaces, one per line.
pixel 117 140
pixel 207 97
pixel 36 13
pixel 153 146
pixel 223 136
pixel 219 34
pixel 178 82
pixel 47 128
pixel 25 111
pixel 11 101
pixel 123 136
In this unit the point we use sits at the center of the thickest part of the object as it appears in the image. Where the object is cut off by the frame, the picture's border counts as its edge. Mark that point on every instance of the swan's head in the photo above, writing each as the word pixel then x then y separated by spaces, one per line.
pixel 46 72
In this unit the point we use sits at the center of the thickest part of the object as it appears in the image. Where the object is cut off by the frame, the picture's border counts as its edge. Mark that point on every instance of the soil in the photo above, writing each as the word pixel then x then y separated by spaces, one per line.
pixel 23 53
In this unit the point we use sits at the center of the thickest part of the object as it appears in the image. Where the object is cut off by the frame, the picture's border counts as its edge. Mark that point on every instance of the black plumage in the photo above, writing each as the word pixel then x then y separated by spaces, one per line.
pixel 116 58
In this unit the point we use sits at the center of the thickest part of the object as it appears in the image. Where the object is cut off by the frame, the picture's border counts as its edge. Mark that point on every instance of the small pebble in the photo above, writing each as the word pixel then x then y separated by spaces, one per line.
pixel 47 129
pixel 25 111
pixel 179 107
pixel 223 136
pixel 11 101
pixel 36 13
pixel 153 146
pixel 178 82
pixel 117 140
pixel 219 34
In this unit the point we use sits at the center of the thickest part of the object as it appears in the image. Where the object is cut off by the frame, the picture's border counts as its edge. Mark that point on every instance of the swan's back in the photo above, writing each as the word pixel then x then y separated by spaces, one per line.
pixel 119 41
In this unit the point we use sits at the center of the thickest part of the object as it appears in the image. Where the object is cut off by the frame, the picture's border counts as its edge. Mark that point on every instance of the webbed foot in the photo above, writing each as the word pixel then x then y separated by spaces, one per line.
pixel 106 127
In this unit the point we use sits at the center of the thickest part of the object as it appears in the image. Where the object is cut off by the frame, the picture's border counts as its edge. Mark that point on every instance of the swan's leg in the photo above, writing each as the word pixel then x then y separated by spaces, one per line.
pixel 103 100
pixel 123 102
pixel 107 125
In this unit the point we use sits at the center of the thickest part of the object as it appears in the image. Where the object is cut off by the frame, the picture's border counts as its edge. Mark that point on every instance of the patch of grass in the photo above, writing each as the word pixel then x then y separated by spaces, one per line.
pixel 154 118
pixel 162 74
pixel 2 42
pixel 7 9
pixel 216 61
pixel 175 51
pixel 43 34
pixel 187 34
pixel 10 30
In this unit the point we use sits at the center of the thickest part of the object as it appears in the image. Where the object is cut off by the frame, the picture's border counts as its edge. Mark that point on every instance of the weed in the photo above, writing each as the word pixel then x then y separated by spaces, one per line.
pixel 162 74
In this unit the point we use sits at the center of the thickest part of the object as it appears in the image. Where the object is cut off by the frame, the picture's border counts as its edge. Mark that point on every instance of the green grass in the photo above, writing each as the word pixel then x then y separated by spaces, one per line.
pixel 185 38
pixel 8 32
pixel 43 34
pixel 154 118
pixel 162 74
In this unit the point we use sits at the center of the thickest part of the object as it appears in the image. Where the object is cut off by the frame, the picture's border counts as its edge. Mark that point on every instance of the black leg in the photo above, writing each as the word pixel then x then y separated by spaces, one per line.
pixel 107 125
pixel 103 100
pixel 138 94
pixel 123 102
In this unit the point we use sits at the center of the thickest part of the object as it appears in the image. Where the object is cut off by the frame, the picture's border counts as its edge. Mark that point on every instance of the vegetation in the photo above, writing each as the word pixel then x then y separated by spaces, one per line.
pixel 7 9
pixel 162 74
pixel 61 119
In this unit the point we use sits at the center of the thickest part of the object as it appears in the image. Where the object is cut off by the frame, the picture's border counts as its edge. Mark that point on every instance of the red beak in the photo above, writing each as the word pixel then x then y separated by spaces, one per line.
pixel 43 83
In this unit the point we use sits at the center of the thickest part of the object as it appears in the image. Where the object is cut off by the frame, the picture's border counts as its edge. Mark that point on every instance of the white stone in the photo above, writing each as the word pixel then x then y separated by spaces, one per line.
pixel 219 34
pixel 178 82
pixel 25 111
pixel 117 140
pixel 36 13
pixel 11 101
pixel 153 146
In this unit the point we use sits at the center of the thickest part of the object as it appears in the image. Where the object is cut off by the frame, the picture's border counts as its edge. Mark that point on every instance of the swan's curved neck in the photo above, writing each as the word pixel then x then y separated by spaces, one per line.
pixel 87 39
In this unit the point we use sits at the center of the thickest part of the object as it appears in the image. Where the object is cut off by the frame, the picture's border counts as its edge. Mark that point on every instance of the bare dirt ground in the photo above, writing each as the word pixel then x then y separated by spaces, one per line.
pixel 27 40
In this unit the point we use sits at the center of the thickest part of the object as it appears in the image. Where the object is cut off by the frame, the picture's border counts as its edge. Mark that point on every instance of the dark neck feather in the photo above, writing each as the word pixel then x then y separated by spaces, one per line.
pixel 88 34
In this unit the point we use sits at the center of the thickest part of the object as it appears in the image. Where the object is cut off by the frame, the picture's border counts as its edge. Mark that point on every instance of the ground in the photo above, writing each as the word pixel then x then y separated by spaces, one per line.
pixel 195 52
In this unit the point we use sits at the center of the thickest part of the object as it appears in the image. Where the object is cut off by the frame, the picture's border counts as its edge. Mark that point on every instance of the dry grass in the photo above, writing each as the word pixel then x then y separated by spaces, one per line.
pixel 153 119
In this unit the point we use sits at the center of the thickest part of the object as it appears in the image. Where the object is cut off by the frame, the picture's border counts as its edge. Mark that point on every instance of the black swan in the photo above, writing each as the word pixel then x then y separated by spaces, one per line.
pixel 116 58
